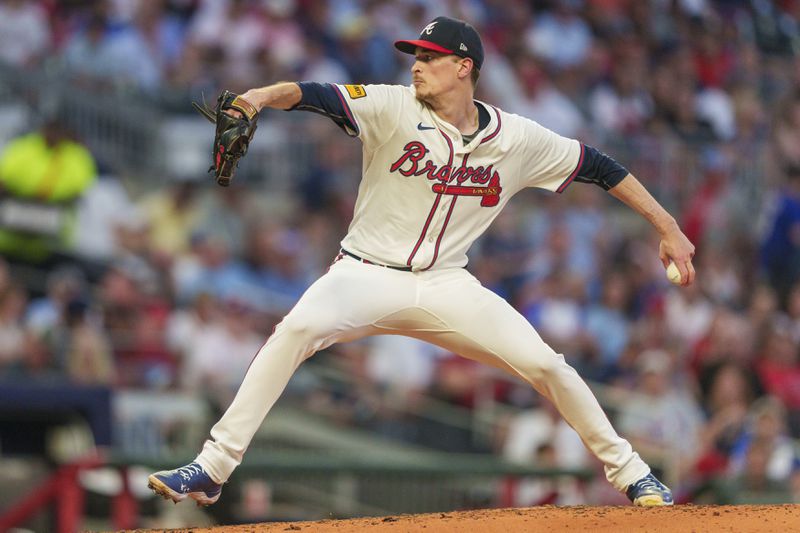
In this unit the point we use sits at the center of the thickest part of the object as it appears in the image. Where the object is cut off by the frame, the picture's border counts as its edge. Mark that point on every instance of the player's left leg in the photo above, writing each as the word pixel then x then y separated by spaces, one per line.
pixel 480 325
pixel 340 306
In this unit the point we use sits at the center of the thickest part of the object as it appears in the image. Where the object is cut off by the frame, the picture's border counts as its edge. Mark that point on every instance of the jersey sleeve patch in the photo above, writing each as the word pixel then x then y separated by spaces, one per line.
pixel 356 91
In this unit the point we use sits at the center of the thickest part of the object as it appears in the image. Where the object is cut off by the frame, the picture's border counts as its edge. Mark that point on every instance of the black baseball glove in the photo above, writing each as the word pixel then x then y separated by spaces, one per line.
pixel 233 133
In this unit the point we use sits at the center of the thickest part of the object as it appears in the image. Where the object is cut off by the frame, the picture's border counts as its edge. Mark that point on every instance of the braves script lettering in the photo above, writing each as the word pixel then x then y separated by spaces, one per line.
pixel 411 163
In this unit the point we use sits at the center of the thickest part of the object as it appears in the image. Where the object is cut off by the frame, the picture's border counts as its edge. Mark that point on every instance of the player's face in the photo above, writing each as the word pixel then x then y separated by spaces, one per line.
pixel 433 73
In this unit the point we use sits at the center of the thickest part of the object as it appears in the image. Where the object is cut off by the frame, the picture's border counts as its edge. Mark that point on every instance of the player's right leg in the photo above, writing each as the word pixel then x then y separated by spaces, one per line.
pixel 478 324
pixel 340 306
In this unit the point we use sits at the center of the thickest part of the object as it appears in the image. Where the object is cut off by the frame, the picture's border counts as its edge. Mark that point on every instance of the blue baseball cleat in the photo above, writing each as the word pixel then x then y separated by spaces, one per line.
pixel 649 492
pixel 187 481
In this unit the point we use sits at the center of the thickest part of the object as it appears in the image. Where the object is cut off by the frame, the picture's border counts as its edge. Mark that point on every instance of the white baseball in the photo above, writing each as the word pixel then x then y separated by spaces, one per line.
pixel 673 274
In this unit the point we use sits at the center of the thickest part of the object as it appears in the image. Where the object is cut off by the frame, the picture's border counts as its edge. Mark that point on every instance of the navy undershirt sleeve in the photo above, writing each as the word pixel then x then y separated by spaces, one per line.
pixel 600 169
pixel 324 98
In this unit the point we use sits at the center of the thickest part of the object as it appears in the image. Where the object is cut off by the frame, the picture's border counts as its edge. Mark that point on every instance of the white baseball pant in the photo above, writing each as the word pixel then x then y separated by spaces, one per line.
pixel 447 307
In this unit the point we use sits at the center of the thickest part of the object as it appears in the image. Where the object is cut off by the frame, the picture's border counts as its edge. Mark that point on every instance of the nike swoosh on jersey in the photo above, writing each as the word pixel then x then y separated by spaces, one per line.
pixel 423 128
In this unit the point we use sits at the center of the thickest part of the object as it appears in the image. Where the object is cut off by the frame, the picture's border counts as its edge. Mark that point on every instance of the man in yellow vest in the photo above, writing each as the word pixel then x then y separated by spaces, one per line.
pixel 42 174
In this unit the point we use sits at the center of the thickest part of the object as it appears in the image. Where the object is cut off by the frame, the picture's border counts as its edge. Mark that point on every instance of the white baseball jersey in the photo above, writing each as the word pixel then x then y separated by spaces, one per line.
pixel 425 196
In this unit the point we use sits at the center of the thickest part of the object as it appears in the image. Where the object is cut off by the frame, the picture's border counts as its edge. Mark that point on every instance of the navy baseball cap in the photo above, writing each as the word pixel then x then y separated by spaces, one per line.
pixel 448 36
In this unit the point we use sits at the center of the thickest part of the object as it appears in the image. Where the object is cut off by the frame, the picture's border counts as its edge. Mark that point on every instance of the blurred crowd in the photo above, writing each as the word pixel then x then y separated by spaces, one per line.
pixel 184 283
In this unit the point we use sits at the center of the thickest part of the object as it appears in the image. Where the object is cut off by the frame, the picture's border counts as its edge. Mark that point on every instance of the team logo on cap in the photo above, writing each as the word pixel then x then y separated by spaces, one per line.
pixel 427 30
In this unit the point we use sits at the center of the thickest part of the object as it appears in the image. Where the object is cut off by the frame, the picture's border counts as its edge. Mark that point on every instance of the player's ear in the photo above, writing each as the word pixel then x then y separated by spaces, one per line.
pixel 465 67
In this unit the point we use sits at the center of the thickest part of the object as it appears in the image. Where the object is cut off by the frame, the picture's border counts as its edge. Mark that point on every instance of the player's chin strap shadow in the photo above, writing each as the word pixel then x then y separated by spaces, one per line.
pixel 205 110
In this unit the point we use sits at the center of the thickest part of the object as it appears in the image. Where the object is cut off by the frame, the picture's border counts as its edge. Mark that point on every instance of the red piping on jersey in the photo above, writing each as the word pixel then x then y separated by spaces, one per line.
pixel 446 220
pixel 433 208
pixel 441 234
pixel 424 229
pixel 574 172
pixel 347 108
pixel 497 130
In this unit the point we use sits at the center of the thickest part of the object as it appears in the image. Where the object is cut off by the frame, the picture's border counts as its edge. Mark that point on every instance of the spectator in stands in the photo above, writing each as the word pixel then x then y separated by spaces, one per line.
pixel 560 36
pixel 42 174
pixel 664 424
pixel 793 312
pixel 723 278
pixel 688 314
pixel 24 33
pixel 187 322
pixel 104 211
pixel 686 123
pixel 87 356
pixel 752 485
pixel 319 67
pixel 65 284
pixel 502 251
pixel 284 38
pixel 778 367
pixel 729 392
pixel 713 60
pixel 556 314
pixel 606 326
pixel 762 307
pixel 208 269
pixel 786 133
pixel 401 366
pixel 764 457
pixel 219 355
pixel 359 38
pixel 326 182
pixel 622 105
pixel 543 102
pixel 540 436
pixel 12 329
pixel 135 313
pixel 99 57
pixel 593 234
pixel 238 50
pixel 705 213
pixel 553 253
pixel 729 338
pixel 6 279
pixel 172 216
pixel 160 34
pixel 780 248
pixel 276 276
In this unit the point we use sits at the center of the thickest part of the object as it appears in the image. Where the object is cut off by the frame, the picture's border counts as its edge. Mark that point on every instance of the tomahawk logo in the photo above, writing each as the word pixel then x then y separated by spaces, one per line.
pixel 427 30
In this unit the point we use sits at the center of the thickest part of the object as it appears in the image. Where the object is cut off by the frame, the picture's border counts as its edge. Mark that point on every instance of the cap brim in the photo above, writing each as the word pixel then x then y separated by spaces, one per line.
pixel 410 47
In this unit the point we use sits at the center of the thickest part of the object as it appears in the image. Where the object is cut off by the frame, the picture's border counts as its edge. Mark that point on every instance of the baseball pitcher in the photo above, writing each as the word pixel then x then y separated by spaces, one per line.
pixel 438 166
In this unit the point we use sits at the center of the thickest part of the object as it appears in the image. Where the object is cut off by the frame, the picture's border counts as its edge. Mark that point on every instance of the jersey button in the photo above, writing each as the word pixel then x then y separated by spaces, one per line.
pixel 430 239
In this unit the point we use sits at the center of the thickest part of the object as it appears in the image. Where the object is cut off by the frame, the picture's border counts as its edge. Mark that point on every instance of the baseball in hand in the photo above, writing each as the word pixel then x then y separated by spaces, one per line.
pixel 673 274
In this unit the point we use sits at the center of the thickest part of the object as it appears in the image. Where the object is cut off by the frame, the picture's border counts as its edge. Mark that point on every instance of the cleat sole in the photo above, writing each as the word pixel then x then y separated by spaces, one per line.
pixel 154 484
pixel 651 501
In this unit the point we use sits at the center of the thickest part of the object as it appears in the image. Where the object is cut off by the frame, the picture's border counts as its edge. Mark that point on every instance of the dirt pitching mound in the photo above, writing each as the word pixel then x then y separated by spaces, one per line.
pixel 680 518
